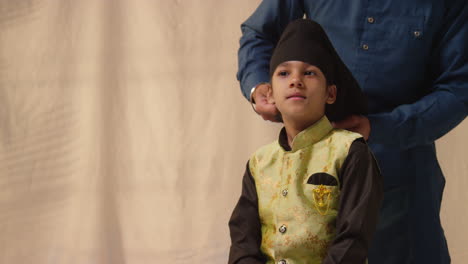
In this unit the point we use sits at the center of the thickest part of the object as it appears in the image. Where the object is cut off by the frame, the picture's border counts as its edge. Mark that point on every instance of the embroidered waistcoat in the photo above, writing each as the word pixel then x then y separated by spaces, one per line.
pixel 298 218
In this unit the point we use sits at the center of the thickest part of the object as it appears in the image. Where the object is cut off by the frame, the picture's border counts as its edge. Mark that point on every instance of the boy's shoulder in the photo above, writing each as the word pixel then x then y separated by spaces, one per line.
pixel 336 136
pixel 347 140
pixel 344 134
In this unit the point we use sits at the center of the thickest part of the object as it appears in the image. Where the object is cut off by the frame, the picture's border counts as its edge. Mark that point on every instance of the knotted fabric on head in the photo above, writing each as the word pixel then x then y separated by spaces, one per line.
pixel 305 40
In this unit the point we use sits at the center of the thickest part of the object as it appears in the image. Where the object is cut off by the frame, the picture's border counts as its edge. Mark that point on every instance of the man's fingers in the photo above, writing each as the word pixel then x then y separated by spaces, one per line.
pixel 355 123
pixel 265 107
pixel 272 118
pixel 261 94
pixel 266 110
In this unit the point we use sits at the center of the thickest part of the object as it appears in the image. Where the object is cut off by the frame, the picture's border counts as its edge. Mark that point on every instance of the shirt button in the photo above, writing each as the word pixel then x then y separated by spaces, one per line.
pixel 365 47
pixel 417 34
pixel 282 229
pixel 283 261
pixel 370 20
pixel 284 192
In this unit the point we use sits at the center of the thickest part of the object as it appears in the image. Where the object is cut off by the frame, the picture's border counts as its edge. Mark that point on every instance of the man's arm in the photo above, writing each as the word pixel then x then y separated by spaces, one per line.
pixel 360 199
pixel 446 105
pixel 245 227
pixel 260 32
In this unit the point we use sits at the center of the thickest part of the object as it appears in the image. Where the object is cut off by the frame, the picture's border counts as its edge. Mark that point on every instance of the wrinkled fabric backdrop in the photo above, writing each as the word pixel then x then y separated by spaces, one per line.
pixel 124 135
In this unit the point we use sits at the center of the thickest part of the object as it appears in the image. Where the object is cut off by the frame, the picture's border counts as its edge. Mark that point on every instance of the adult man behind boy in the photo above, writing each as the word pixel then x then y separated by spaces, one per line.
pixel 411 60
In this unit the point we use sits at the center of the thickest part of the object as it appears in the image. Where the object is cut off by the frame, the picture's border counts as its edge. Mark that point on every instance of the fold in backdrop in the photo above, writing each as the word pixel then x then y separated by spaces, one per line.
pixel 124 135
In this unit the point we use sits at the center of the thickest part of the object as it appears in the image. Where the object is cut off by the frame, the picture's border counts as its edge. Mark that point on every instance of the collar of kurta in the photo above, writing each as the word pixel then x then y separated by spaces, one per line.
pixel 306 137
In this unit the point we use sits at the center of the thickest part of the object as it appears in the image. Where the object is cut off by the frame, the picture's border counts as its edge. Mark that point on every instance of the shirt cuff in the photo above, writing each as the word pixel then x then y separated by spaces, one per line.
pixel 253 80
pixel 251 92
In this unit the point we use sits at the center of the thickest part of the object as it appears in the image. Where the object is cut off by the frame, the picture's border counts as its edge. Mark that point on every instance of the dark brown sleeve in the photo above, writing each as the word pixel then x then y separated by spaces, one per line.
pixel 245 227
pixel 360 199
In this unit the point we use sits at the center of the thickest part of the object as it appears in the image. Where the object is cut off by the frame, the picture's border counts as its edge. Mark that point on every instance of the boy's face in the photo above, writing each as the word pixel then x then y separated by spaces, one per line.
pixel 300 91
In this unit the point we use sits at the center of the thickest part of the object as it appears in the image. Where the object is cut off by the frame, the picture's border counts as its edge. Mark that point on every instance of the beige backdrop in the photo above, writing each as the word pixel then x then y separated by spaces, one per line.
pixel 124 135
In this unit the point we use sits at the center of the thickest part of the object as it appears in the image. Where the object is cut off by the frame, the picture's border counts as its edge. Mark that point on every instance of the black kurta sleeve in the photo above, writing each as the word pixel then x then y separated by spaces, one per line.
pixel 245 227
pixel 360 199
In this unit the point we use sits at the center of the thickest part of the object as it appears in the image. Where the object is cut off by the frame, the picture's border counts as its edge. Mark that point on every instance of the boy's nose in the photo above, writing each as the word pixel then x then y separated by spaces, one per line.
pixel 296 82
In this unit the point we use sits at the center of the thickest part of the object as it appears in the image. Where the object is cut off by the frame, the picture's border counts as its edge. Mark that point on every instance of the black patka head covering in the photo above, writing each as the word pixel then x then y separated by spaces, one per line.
pixel 305 40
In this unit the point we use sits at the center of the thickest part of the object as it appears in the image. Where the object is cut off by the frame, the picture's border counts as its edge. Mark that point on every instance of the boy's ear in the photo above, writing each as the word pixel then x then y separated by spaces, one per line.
pixel 270 98
pixel 331 94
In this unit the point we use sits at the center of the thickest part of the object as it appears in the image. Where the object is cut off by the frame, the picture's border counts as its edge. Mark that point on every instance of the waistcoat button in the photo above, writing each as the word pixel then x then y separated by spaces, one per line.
pixel 282 229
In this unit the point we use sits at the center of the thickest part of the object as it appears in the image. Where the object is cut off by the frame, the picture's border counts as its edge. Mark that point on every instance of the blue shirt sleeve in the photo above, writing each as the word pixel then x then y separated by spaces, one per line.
pixel 446 105
pixel 260 32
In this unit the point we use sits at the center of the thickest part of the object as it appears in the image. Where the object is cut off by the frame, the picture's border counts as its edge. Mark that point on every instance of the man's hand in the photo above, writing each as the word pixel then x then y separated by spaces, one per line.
pixel 266 110
pixel 355 123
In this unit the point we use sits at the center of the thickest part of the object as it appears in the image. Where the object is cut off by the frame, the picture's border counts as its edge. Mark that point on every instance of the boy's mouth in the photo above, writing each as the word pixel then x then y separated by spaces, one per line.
pixel 296 96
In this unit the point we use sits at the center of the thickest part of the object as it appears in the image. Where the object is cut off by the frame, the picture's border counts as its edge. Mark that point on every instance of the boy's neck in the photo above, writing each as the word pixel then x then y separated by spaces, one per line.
pixel 295 127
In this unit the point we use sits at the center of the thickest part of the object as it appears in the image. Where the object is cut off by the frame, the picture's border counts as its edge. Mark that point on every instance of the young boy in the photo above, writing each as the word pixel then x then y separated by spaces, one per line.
pixel 312 196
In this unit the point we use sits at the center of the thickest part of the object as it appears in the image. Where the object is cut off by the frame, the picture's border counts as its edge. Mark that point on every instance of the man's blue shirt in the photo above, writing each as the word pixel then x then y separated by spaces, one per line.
pixel 411 60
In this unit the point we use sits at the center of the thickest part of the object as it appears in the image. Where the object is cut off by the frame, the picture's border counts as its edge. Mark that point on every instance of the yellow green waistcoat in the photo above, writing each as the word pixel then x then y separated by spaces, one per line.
pixel 298 218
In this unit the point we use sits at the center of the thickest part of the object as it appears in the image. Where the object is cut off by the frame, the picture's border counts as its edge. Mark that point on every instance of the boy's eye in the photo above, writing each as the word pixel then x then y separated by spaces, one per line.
pixel 283 73
pixel 310 73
